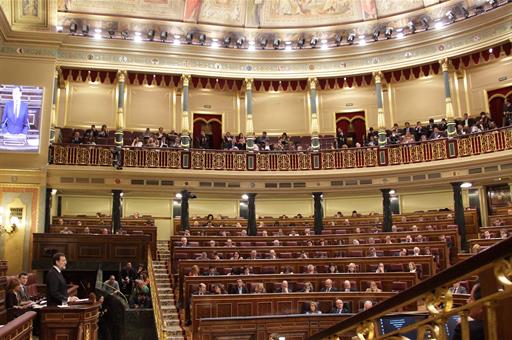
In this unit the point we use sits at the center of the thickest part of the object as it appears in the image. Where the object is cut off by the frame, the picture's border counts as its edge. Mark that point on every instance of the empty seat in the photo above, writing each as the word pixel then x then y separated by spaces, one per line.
pixel 260 243
pixel 398 286
pixel 245 244
pixel 355 253
pixel 285 255
pixel 291 243
pixel 395 267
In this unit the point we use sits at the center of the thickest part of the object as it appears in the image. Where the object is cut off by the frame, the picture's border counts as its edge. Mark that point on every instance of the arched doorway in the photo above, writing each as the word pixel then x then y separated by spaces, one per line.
pixel 353 125
pixel 211 124
pixel 497 103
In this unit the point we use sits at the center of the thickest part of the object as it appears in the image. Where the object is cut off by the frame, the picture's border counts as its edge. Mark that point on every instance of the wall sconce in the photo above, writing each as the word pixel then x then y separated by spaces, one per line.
pixel 8 225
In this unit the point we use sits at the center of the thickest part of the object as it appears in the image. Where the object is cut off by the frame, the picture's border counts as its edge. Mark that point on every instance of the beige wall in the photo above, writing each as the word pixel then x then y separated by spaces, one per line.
pixel 205 206
pixel 363 204
pixel 86 205
pixel 411 202
pixel 89 103
pixel 149 107
pixel 284 206
pixel 214 101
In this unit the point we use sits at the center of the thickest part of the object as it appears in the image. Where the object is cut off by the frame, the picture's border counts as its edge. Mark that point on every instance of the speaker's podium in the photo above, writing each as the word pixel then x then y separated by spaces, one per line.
pixel 75 322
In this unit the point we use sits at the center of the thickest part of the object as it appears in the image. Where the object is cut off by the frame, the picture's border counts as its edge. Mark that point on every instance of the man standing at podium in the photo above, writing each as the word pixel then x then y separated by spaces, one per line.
pixel 15 116
pixel 57 288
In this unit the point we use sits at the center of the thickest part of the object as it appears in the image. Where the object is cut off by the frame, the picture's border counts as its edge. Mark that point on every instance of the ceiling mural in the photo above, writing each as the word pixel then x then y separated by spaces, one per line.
pixel 248 13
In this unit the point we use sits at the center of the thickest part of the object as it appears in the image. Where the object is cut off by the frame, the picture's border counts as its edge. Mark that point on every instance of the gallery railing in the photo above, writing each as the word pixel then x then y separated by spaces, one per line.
pixel 157 313
pixel 494 267
pixel 349 158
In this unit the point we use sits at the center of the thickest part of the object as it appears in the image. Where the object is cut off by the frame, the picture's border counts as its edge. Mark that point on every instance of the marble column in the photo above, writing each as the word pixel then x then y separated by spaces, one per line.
pixel 251 215
pixel 381 120
pixel 53 112
pixel 458 207
pixel 185 120
pixel 319 213
pixel 315 141
pixel 117 210
pixel 184 217
pixel 249 128
pixel 387 214
pixel 451 126
pixel 121 84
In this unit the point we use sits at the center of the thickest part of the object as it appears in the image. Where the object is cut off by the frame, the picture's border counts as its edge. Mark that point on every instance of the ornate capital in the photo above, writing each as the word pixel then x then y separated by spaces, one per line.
pixel 377 76
pixel 185 78
pixel 121 76
pixel 313 82
pixel 248 83
pixel 57 72
pixel 445 63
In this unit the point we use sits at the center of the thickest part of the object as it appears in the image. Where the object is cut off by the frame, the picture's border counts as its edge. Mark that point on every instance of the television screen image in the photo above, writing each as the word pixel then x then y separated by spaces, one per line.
pixel 390 323
pixel 20 108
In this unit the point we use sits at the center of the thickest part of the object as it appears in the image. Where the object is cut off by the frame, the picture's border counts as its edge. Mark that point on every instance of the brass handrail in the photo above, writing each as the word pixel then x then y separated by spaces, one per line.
pixel 154 298
pixel 438 300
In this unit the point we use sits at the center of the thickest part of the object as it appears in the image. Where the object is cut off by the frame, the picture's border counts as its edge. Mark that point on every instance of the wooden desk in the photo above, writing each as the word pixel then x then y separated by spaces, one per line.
pixel 77 322
pixel 438 249
pixel 87 251
pixel 359 281
pixel 214 306
pixel 3 288
pixel 292 327
pixel 19 328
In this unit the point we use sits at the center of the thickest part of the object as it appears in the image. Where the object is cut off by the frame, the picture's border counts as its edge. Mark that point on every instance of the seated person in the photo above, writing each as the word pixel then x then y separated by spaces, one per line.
pixel 503 233
pixel 380 268
pixel 313 308
pixel 254 255
pixel 333 269
pixel 284 288
pixel 239 288
pixel 183 242
pixel 347 286
pixel 201 290
pixel 328 287
pixel 416 251
pixel 236 256
pixel 66 230
pixel 476 318
pixel 86 231
pixel 229 243
pixel 373 288
pixel 339 307
pixel 194 271
pixel 486 235
pixel 219 289
pixel 456 288
pixel 13 302
pixel 259 288
pixel 140 296
pixel 367 305
pixel 272 255
pixel 308 287
pixel 351 268
pixel 24 296
pixel 111 286
pixel 310 269
pixel 212 271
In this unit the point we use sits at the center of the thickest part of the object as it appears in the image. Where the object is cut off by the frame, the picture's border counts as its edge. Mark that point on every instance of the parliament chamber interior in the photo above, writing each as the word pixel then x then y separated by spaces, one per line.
pixel 255 169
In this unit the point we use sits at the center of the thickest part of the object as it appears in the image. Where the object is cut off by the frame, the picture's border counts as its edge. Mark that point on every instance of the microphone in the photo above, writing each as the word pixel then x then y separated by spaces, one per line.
pixel 115 290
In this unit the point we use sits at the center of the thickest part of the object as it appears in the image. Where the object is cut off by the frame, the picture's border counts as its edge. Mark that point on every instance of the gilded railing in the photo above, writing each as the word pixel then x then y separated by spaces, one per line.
pixel 494 265
pixel 364 157
pixel 157 313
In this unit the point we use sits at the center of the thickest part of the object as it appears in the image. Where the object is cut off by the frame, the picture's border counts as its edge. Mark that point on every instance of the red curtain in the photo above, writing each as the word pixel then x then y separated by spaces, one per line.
pixel 212 124
pixel 497 103
pixel 357 120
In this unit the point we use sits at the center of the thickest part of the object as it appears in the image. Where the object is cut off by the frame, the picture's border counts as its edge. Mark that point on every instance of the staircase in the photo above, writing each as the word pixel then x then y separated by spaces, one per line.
pixel 164 290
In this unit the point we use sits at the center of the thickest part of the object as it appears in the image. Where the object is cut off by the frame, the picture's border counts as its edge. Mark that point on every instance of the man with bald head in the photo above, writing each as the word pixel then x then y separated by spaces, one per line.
pixel 328 287
pixel 284 288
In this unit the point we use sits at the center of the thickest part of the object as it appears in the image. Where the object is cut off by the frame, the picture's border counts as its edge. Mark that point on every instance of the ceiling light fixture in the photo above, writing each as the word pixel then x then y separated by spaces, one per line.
pixel 466 185
pixel 97 33
pixel 189 38
pixel 227 41
pixel 125 34
pixel 362 40
pixel 301 42
pixel 288 45
pixel 412 27
pixel 252 45
pixel 276 43
pixel 176 41
pixel 163 36
pixel 202 39
pixel 240 42
pixel 324 44
pixel 85 29
pixel 376 34
pixel 137 37
pixel 400 33
pixel 388 33
pixel 439 25
pixel 151 34
pixel 338 39
pixel 313 42
pixel 215 43
pixel 451 16
pixel 263 43
pixel 350 38
pixel 425 23
pixel 73 28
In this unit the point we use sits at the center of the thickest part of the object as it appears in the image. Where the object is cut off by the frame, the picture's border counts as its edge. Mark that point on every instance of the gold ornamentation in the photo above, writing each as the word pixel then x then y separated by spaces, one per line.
pixel 152 158
pixel 248 83
pixel 366 331
pixel 503 272
pixel 378 77
pixel 328 160
pixel 312 83
pixel 185 78
pixel 441 300
pixel 429 332
pixel 445 63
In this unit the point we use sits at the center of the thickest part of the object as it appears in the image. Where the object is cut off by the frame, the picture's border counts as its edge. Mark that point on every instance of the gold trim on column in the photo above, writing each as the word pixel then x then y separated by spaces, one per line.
pixel 445 64
pixel 312 82
pixel 248 83
pixel 377 76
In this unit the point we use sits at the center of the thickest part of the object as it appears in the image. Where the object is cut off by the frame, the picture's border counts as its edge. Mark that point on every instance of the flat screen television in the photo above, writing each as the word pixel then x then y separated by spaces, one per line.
pixel 20 112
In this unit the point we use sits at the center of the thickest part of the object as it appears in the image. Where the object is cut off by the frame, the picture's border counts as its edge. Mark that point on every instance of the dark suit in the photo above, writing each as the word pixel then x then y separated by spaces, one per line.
pixel 57 288
pixel 15 124
pixel 24 294
pixel 280 290
pixel 340 311
pixel 476 331
pixel 351 290
pixel 333 289
pixel 237 290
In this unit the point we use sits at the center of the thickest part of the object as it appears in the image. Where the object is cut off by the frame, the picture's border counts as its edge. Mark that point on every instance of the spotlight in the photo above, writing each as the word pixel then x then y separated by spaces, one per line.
pixel 111 33
pixel 451 16
pixel 301 42
pixel 288 45
pixel 176 40
pixel 59 28
pixel 125 34
pixel 392 192
pixel 400 33
pixel 73 28
pixel 376 34
pixel 163 36
pixel 245 197
pixel 189 38
pixel 425 23
pixel 412 27
pixel 227 41
pixel 151 35
pixel 324 44
pixel 85 29
pixel 362 40
pixel 97 33
pixel 240 42
pixel 215 43
pixel 179 195
pixel 350 38
pixel 466 185
pixel 465 12
pixel 388 33
pixel 276 43
pixel 202 39
pixel 252 45
pixel 263 43
pixel 493 3
pixel 313 42
pixel 137 36
pixel 439 24
pixel 338 39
